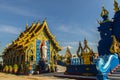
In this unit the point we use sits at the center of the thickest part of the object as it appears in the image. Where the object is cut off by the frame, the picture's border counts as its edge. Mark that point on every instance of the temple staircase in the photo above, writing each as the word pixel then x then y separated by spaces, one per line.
pixel 115 73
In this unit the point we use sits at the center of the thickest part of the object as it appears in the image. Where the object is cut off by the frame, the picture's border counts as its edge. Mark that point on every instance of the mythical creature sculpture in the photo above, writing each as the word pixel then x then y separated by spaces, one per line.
pixel 106 67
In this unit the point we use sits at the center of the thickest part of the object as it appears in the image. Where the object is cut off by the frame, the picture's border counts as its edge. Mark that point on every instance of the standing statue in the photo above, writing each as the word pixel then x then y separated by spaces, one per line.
pixel 43 50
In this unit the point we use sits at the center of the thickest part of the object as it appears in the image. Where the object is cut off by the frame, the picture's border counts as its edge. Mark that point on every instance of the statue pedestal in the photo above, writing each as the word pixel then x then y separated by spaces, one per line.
pixel 84 70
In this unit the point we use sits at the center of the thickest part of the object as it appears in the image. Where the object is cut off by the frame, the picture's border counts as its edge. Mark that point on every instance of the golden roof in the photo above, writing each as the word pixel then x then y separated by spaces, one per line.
pixel 31 33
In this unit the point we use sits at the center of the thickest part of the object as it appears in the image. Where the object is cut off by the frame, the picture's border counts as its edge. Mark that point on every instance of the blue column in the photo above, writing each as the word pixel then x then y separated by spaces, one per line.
pixel 37 50
pixel 48 51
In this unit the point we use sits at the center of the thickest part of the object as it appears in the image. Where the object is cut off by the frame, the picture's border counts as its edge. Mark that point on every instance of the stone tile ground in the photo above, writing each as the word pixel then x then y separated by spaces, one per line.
pixel 5 76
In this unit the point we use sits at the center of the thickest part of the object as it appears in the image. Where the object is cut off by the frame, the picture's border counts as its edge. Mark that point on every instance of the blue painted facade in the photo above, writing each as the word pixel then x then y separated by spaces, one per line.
pixel 108 28
pixel 116 25
pixel 38 42
pixel 48 51
pixel 38 51
pixel 106 32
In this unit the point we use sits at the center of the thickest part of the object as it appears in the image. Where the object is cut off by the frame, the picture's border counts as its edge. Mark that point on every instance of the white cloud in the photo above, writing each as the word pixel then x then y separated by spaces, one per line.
pixel 93 43
pixel 9 29
pixel 17 10
pixel 72 43
pixel 74 29
pixel 65 47
pixel 94 30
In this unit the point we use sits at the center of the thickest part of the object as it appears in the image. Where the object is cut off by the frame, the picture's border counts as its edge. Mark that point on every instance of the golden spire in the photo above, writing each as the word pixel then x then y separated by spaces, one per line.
pixel 79 48
pixel 86 47
pixel 68 53
pixel 26 25
pixel 85 41
pixel 116 8
pixel 44 19
pixel 104 12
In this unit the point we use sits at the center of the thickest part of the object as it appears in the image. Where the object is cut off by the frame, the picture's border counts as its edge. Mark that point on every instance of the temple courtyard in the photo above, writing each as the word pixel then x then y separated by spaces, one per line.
pixel 47 76
pixel 5 76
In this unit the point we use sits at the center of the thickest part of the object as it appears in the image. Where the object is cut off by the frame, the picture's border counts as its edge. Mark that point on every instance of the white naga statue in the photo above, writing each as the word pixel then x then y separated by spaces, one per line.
pixel 44 51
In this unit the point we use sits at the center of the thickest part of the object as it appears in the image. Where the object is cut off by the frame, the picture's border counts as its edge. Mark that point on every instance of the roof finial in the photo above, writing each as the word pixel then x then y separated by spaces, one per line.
pixel 27 25
pixel 116 8
pixel 104 13
pixel 85 41
pixel 45 19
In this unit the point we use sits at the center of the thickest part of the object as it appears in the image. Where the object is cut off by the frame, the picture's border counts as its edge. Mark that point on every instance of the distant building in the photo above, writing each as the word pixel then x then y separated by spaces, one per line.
pixel 32 45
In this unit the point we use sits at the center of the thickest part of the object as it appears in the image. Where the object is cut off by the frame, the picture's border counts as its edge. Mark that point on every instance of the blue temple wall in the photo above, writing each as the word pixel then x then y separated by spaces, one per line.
pixel 37 51
pixel 106 32
pixel 107 29
pixel 116 25
pixel 117 16
pixel 38 42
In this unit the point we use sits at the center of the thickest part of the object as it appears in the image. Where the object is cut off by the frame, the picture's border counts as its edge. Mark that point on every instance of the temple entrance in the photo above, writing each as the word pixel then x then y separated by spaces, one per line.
pixel 43 51
pixel 43 55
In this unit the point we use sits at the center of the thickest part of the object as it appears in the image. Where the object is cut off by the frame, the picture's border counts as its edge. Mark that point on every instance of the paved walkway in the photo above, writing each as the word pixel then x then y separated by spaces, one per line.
pixel 45 76
pixel 5 76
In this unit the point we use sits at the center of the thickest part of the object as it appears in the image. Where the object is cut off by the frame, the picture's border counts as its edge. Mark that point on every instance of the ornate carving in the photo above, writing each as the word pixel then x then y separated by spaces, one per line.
pixel 116 8
pixel 115 47
pixel 86 53
pixel 104 12
pixel 78 51
pixel 68 56
pixel 26 25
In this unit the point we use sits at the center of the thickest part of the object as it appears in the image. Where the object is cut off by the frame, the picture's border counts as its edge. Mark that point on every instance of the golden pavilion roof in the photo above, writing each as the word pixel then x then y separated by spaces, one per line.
pixel 31 33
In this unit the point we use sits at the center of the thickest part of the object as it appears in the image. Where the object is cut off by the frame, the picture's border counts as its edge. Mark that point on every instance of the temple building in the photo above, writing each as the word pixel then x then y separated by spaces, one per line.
pixel 32 45
pixel 108 28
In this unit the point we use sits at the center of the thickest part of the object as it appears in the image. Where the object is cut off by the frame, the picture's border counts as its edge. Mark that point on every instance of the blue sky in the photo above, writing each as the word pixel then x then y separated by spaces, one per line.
pixel 70 20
